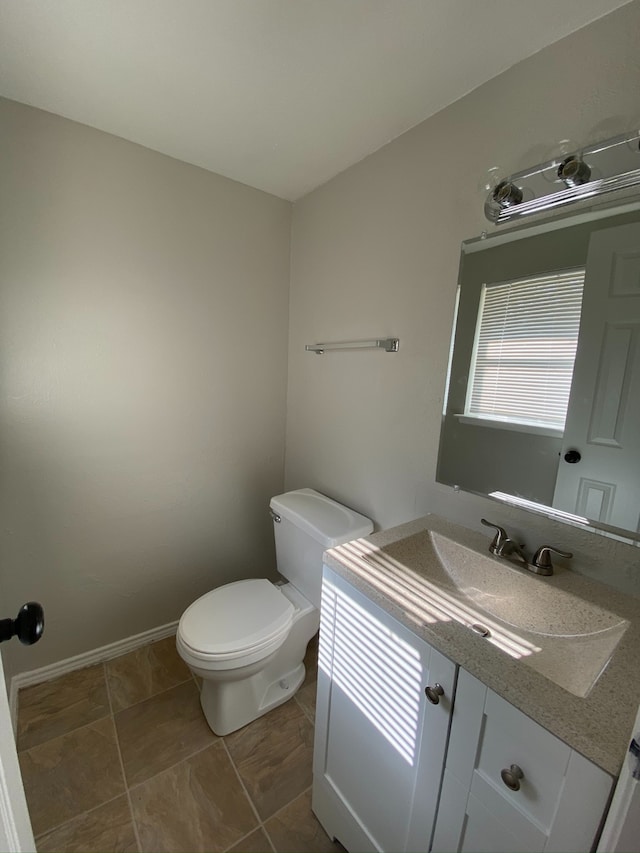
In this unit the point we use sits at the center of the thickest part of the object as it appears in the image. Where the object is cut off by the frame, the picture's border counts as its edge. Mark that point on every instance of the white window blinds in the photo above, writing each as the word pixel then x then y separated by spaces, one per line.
pixel 525 348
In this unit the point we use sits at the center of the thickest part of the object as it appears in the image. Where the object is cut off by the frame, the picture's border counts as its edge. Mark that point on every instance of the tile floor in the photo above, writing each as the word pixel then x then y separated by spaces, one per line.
pixel 118 757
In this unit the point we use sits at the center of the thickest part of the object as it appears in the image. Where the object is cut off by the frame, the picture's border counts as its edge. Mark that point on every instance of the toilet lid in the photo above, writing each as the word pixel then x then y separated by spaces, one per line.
pixel 236 617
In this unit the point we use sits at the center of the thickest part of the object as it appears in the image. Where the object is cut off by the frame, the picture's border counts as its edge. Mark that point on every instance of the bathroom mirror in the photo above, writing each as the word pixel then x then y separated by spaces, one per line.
pixel 542 408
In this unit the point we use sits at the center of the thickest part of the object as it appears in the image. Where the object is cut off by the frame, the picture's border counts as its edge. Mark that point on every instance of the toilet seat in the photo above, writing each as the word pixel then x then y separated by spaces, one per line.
pixel 238 622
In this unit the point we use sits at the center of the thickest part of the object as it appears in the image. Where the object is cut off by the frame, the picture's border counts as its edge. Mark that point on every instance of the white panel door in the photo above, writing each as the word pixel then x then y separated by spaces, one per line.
pixel 15 825
pixel 603 419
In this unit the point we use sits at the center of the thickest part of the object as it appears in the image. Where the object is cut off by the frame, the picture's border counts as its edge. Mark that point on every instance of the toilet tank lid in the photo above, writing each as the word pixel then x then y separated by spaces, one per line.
pixel 327 521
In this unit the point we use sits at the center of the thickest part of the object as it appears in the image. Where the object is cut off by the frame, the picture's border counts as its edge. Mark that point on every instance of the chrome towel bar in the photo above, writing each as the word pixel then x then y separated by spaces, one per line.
pixel 387 344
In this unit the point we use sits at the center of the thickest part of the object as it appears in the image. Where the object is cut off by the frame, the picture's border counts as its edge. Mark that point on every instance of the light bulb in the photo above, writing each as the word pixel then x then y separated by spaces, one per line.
pixel 562 149
pixel 490 180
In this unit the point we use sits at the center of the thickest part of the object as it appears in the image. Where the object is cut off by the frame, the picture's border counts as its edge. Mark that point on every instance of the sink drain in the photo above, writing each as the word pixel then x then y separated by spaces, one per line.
pixel 480 629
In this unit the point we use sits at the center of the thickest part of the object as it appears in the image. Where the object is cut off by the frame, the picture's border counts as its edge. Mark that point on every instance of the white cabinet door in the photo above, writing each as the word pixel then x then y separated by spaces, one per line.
pixel 380 743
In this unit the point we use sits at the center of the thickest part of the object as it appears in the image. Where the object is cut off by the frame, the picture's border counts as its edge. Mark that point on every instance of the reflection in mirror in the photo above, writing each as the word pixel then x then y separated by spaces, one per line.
pixel 543 399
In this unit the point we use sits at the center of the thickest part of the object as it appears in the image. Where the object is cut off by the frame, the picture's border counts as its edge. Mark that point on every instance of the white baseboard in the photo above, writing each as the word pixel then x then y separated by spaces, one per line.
pixel 113 650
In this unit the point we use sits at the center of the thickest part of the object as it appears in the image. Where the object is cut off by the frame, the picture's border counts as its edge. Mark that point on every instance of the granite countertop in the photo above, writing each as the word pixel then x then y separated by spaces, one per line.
pixel 389 567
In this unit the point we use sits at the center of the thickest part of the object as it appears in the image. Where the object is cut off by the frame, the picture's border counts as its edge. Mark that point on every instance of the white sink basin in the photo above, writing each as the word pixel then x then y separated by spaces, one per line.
pixel 564 637
pixel 524 600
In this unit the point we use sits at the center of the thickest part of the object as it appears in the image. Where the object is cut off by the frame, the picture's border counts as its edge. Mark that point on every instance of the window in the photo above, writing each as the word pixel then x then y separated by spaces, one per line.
pixel 524 350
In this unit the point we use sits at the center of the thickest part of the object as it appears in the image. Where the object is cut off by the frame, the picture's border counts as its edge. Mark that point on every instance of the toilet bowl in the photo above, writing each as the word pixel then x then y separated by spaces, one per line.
pixel 247 639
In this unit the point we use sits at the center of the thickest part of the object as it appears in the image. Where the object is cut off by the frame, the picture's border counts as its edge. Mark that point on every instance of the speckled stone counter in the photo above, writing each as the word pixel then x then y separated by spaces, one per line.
pixel 598 726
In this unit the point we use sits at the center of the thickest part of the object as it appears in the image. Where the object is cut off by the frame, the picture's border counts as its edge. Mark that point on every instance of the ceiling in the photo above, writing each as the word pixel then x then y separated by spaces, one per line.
pixel 278 94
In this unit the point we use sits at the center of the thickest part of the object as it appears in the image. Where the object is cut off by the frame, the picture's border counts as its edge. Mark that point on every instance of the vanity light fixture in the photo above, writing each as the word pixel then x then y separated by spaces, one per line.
pixel 596 169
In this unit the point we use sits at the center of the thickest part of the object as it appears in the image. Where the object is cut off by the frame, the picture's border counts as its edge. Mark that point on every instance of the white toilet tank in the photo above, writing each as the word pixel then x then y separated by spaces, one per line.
pixel 305 524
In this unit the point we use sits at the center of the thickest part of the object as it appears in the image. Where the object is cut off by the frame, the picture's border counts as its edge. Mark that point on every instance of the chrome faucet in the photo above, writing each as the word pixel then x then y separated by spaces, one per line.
pixel 503 546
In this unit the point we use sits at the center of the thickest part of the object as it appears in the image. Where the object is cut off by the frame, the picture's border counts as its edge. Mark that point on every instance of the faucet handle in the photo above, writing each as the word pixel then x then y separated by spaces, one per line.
pixel 499 539
pixel 542 557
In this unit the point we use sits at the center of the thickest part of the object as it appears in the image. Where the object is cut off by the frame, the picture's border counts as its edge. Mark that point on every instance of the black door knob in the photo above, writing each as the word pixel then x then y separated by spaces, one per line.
pixel 27 626
pixel 572 456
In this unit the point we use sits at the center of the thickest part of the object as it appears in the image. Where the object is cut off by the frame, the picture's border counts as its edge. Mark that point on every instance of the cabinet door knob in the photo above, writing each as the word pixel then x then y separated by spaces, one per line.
pixel 434 693
pixel 512 777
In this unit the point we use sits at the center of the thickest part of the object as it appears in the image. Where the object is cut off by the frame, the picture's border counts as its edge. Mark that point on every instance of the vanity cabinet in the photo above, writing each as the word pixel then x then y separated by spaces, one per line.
pixel 380 741
pixel 401 764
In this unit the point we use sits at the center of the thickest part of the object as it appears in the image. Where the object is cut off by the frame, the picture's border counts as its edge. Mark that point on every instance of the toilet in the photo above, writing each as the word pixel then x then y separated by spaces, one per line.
pixel 247 639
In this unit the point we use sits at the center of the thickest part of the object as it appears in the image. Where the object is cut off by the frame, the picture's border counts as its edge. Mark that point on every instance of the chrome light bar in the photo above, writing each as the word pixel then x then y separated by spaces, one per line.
pixel 591 171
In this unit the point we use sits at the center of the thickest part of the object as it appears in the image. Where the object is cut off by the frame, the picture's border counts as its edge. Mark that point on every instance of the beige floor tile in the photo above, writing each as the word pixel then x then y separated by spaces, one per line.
pixel 71 774
pixel 56 707
pixel 306 698
pixel 197 805
pixel 295 829
pixel 257 842
pixel 162 731
pixel 108 827
pixel 145 672
pixel 273 756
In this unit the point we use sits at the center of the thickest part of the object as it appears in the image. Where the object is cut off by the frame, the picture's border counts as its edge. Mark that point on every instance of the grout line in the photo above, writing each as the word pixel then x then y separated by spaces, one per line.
pixel 282 808
pixel 261 823
pixel 110 712
pixel 304 711
pixel 58 826
pixel 266 832
pixel 171 766
pixel 240 779
pixel 152 696
pixel 286 805
pixel 124 775
pixel 249 798
pixel 244 838
pixel 65 734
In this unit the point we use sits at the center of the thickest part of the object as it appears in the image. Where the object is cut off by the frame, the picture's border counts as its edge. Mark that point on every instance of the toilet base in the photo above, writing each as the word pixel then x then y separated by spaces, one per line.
pixel 238 703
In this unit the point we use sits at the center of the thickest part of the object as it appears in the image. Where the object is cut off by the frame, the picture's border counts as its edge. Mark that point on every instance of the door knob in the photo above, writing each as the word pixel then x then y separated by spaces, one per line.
pixel 27 626
pixel 572 456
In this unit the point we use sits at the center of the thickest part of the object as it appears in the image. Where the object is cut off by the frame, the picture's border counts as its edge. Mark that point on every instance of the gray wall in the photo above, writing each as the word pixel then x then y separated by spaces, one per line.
pixel 143 327
pixel 375 252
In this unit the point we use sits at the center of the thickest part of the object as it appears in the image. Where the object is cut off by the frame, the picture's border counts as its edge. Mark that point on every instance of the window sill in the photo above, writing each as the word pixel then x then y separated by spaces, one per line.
pixel 495 423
